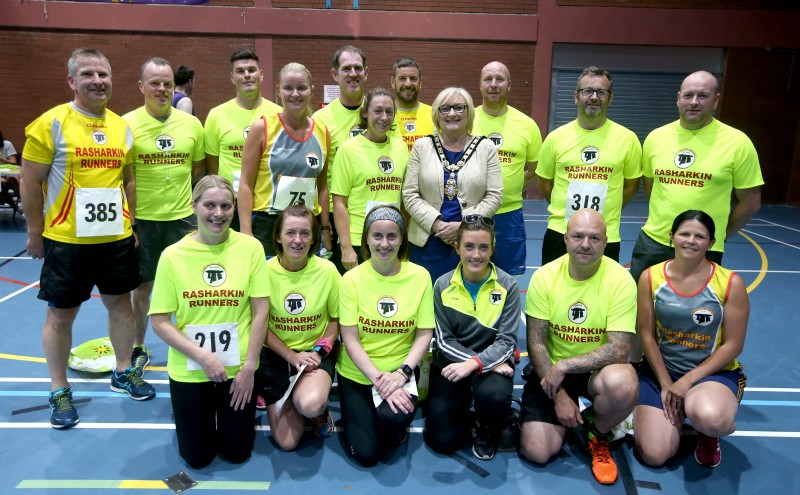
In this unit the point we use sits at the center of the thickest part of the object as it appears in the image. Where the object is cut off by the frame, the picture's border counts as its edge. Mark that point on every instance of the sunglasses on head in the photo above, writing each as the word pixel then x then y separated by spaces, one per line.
pixel 478 218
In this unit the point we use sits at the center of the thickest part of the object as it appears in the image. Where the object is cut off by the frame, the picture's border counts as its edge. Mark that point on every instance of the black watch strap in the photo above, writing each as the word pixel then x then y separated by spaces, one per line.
pixel 406 369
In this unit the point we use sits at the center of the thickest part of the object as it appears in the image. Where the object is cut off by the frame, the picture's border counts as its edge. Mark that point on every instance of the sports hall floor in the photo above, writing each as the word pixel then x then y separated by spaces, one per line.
pixel 123 446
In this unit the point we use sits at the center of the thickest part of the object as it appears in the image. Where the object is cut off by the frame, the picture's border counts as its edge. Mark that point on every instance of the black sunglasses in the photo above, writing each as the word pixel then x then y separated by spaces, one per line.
pixel 478 218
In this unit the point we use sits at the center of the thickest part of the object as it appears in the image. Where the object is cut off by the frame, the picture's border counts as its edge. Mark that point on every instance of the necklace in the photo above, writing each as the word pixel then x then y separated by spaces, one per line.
pixel 451 185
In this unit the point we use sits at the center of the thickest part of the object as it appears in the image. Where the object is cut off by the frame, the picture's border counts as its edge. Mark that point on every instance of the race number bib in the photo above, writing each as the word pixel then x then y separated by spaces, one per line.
pixel 372 204
pixel 99 212
pixel 237 175
pixel 586 195
pixel 294 189
pixel 222 339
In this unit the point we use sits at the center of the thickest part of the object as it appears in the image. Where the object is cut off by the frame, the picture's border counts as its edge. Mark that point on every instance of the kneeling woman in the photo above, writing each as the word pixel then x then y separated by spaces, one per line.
pixel 386 315
pixel 692 320
pixel 303 330
pixel 477 310
pixel 213 348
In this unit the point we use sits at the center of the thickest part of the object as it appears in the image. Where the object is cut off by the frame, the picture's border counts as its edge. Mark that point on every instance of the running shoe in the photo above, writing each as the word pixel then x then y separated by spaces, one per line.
pixel 323 425
pixel 604 468
pixel 62 411
pixel 131 382
pixel 707 452
pixel 140 359
pixel 483 444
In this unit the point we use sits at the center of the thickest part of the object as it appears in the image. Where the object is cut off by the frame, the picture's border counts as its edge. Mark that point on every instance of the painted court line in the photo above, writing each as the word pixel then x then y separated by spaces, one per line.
pixel 771 239
pixel 13 294
pixel 140 484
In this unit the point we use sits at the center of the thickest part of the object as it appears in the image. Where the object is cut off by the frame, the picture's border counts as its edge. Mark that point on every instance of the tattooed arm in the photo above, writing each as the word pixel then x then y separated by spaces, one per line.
pixel 615 351
pixel 537 345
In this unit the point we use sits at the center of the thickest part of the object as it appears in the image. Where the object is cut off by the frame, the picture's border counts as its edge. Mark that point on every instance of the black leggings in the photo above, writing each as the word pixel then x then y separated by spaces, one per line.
pixel 206 424
pixel 369 430
pixel 448 423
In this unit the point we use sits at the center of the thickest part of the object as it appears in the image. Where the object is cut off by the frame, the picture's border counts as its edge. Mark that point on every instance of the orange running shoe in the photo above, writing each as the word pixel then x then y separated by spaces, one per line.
pixel 604 468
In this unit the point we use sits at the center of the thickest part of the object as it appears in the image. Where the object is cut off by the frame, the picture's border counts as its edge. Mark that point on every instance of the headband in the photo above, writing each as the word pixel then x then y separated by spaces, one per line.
pixel 385 213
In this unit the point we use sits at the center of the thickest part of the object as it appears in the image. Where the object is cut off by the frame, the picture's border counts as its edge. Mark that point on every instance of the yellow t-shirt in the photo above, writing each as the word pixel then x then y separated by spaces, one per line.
pixel 211 287
pixel 518 141
pixel 367 174
pixel 303 302
pixel 163 153
pixel 580 313
pixel 588 169
pixel 387 312
pixel 85 199
pixel 414 124
pixel 225 130
pixel 696 170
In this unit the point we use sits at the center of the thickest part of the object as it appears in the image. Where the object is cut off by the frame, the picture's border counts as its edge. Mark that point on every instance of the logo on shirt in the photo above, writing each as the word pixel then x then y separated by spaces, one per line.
pixel 164 143
pixel 294 303
pixel 214 275
pixel 496 297
pixel 411 126
pixel 497 139
pixel 386 164
pixel 703 317
pixel 312 160
pixel 577 313
pixel 99 137
pixel 246 132
pixel 589 155
pixel 387 307
pixel 355 131
pixel 684 159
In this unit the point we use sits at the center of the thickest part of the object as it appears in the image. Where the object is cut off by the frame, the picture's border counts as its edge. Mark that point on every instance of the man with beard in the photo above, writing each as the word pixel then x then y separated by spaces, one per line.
pixel 518 140
pixel 413 119
pixel 591 162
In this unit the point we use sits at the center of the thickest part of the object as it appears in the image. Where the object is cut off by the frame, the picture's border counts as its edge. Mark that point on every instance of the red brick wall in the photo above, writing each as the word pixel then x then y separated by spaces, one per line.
pixel 462 6
pixel 687 4
pixel 25 98
pixel 443 63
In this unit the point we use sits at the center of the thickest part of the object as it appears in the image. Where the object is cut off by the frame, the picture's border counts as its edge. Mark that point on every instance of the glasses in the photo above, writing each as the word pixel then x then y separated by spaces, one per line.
pixel 470 219
pixel 588 92
pixel 457 108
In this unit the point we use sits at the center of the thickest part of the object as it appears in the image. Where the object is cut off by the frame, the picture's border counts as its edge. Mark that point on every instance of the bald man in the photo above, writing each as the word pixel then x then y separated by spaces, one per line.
pixel 581 319
pixel 695 163
pixel 518 141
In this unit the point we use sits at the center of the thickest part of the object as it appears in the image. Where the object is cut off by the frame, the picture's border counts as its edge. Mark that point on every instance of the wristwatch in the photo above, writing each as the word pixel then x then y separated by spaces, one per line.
pixel 406 370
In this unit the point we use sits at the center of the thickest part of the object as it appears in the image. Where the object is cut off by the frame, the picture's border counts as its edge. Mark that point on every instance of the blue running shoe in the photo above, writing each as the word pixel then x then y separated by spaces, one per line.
pixel 62 411
pixel 130 381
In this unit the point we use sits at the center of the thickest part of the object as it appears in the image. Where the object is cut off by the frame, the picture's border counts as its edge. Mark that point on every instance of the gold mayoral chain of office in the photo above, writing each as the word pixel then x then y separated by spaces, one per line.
pixel 451 184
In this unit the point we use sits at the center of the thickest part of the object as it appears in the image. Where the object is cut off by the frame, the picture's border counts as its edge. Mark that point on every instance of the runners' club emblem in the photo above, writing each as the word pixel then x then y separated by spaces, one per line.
pixel 577 313
pixel 294 303
pixel 387 307
pixel 214 275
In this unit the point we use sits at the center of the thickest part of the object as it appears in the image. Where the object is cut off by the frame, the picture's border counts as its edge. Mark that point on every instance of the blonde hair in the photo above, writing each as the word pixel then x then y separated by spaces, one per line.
pixel 208 182
pixel 444 98
pixel 294 67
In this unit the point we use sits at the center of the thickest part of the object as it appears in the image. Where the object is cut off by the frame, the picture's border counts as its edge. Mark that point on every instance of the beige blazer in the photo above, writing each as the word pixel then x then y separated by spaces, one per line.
pixel 480 186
